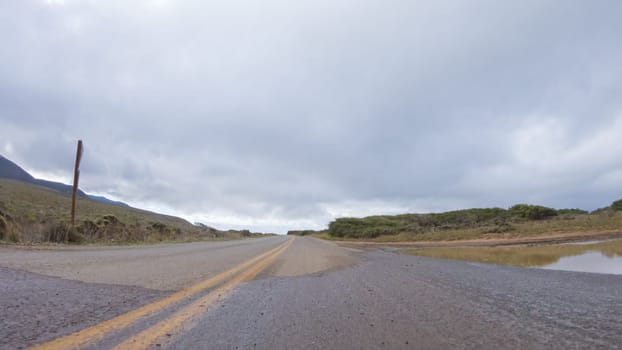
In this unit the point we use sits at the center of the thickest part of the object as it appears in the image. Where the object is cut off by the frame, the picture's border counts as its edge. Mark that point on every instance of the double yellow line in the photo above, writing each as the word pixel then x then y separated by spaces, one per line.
pixel 226 282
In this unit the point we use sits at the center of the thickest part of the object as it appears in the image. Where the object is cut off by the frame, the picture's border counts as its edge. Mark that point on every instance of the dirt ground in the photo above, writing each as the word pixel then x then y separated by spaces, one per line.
pixel 492 242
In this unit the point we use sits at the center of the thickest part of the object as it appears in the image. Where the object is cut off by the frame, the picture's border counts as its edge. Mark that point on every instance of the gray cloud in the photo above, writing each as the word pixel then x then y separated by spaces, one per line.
pixel 284 115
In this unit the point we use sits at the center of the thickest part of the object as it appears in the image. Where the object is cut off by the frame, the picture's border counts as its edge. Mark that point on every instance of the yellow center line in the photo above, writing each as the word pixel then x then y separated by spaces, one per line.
pixel 176 321
pixel 100 330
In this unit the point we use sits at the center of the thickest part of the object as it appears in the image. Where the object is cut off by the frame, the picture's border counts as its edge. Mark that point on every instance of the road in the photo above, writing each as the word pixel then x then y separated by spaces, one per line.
pixel 160 267
pixel 303 293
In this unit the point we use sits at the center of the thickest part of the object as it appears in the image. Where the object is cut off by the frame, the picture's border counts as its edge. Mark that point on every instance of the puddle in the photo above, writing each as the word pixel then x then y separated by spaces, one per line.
pixel 598 257
pixel 589 262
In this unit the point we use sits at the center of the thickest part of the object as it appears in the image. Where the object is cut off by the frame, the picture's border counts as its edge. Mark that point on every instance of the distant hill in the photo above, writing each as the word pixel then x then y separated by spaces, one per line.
pixel 10 170
pixel 106 200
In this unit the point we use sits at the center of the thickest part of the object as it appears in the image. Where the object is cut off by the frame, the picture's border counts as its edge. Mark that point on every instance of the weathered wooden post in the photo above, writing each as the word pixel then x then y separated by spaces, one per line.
pixel 76 177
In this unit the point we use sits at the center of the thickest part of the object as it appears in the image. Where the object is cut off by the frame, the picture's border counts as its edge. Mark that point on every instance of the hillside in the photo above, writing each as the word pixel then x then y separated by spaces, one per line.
pixel 30 213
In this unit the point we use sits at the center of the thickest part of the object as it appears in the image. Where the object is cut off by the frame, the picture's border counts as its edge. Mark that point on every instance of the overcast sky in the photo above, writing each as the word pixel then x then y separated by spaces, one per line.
pixel 276 115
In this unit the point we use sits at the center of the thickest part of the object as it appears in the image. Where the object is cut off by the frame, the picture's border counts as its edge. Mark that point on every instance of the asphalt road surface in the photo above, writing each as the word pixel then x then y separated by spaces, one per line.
pixel 283 293
pixel 161 267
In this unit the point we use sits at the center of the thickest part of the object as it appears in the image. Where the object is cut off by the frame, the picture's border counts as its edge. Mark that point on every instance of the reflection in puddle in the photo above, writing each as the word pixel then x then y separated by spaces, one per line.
pixel 589 262
pixel 599 257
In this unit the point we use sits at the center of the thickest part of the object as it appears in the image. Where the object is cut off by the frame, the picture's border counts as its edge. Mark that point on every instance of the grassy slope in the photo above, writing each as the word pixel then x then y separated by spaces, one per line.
pixel 30 212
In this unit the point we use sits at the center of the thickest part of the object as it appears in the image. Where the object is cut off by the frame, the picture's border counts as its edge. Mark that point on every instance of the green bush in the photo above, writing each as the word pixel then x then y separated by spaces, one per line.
pixel 573 211
pixel 617 205
pixel 470 216
pixel 485 220
pixel 370 227
pixel 300 232
pixel 374 226
pixel 532 212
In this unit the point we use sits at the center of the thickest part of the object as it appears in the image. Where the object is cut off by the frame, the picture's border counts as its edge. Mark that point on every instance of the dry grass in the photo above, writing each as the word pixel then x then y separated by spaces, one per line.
pixel 520 256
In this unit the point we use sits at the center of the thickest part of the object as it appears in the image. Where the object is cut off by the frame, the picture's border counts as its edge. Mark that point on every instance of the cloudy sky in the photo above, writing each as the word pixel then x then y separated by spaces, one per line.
pixel 278 114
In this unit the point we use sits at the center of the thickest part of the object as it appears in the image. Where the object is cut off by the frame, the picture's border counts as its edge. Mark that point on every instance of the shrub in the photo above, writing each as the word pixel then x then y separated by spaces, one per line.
pixel 245 233
pixel 601 210
pixel 160 228
pixel 300 232
pixel 3 228
pixel 88 228
pixel 108 220
pixel 61 232
pixel 13 236
pixel 532 212
pixel 8 228
pixel 617 205
pixel 75 237
pixel 574 211
pixel 468 217
pixel 502 227
pixel 370 227
pixel 109 227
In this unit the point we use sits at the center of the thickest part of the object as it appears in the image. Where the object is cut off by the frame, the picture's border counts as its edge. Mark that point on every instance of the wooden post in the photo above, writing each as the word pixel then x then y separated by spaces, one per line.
pixel 76 177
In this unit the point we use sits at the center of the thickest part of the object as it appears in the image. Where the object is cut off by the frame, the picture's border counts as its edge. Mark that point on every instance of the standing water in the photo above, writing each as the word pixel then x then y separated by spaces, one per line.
pixel 590 261
pixel 591 256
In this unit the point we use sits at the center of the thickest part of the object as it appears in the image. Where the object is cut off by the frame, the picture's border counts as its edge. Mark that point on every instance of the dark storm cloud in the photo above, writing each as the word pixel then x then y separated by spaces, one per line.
pixel 284 115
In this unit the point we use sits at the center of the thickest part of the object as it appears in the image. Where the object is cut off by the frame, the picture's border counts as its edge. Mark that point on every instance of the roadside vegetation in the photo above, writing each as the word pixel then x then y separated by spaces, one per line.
pixel 520 220
pixel 33 214
pixel 301 232
pixel 540 255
